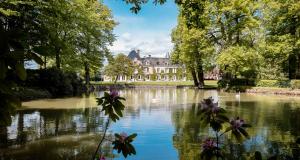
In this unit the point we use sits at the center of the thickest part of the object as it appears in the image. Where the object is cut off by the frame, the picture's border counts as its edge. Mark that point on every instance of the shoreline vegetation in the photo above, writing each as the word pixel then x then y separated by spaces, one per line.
pixel 261 87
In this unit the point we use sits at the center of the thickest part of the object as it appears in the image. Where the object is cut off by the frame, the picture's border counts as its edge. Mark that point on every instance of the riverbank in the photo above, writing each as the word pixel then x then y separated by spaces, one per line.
pixel 27 93
pixel 273 90
pixel 209 84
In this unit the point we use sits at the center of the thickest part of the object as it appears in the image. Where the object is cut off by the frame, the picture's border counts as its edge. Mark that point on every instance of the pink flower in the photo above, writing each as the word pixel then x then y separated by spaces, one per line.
pixel 114 93
pixel 209 144
pixel 214 107
pixel 208 105
pixel 102 157
pixel 237 123
pixel 123 137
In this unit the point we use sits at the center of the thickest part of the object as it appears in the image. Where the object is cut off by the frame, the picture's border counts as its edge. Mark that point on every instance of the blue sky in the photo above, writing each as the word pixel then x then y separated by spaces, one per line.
pixel 149 30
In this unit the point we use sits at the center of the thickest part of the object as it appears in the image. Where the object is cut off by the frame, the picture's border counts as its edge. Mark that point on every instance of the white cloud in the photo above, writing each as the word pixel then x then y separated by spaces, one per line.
pixel 154 43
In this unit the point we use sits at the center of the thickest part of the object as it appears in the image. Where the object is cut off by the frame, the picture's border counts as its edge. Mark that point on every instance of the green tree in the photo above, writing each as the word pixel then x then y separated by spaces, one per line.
pixel 19 36
pixel 120 65
pixel 282 23
pixel 32 30
pixel 93 35
pixel 240 61
pixel 192 48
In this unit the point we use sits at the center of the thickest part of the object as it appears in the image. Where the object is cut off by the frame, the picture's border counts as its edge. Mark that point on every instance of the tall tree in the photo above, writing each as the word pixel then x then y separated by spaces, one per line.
pixel 93 35
pixel 283 35
pixel 192 45
pixel 56 29
pixel 235 27
pixel 120 65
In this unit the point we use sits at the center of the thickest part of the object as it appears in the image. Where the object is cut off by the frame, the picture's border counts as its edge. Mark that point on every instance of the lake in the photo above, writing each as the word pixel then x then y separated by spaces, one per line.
pixel 165 120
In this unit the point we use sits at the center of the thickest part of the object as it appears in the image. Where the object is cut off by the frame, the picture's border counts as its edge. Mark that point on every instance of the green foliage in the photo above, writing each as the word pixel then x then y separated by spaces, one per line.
pixel 295 84
pixel 26 93
pixel 236 84
pixel 213 115
pixel 273 83
pixel 55 81
pixel 239 61
pixel 282 36
pixel 78 30
pixel 192 48
pixel 153 77
pixel 120 65
pixel 123 144
pixel 112 105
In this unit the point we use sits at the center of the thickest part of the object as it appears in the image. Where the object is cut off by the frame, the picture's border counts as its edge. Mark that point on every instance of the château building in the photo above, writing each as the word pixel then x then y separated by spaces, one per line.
pixel 153 69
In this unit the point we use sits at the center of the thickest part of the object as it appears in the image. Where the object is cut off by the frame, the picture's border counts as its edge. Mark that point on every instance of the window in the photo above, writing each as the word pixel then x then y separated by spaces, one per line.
pixel 157 70
pixel 157 63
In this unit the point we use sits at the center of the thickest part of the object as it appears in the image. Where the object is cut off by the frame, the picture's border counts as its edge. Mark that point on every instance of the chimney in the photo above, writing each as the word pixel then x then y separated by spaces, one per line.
pixel 138 53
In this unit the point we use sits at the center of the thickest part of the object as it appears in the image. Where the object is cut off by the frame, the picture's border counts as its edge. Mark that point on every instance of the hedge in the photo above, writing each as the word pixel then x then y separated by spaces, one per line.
pixel 58 83
pixel 273 83
pixel 238 83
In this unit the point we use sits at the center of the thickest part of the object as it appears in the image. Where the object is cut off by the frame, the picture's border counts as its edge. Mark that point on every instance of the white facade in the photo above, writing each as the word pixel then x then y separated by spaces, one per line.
pixel 154 69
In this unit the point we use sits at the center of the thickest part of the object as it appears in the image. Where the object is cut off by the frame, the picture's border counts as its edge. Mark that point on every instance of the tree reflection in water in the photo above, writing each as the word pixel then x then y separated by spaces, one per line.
pixel 51 134
pixel 274 132
pixel 52 130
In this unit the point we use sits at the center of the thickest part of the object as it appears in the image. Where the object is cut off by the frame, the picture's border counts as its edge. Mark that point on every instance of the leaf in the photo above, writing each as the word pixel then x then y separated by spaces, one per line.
pixel 36 58
pixel 21 72
pixel 228 129
pixel 246 125
pixel 99 101
pixel 244 132
pixel 132 136
pixel 237 135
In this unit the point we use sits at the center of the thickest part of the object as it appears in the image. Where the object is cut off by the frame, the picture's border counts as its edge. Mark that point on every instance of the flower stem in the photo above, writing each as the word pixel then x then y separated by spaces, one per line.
pixel 102 139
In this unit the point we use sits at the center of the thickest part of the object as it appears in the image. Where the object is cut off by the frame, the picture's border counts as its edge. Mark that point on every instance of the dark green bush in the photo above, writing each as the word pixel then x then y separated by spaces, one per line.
pixel 273 83
pixel 295 84
pixel 223 83
pixel 57 82
pixel 26 94
pixel 236 84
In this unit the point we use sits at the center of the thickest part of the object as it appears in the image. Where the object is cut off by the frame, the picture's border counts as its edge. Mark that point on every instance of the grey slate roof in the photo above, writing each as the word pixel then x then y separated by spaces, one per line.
pixel 134 54
pixel 153 61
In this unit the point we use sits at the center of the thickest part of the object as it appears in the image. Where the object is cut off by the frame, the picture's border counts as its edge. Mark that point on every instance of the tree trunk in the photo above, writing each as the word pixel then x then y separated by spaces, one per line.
pixel 238 30
pixel 200 75
pixel 87 73
pixel 21 138
pixel 194 76
pixel 116 79
pixel 57 59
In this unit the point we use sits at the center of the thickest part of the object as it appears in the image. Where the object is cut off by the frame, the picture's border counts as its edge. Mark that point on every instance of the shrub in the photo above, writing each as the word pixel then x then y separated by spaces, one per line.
pixel 55 81
pixel 273 83
pixel 225 83
pixel 26 94
pixel 295 84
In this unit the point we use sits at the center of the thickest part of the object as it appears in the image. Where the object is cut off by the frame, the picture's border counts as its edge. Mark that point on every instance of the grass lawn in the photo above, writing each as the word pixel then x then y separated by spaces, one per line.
pixel 208 83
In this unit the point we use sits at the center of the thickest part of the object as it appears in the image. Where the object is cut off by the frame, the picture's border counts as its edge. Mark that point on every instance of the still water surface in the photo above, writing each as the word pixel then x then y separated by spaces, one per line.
pixel 165 120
